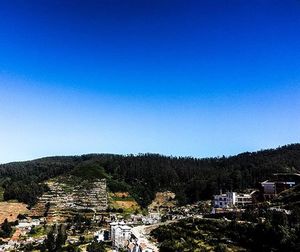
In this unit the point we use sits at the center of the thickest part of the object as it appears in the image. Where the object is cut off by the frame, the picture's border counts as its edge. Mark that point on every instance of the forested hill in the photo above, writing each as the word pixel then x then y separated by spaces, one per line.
pixel 192 179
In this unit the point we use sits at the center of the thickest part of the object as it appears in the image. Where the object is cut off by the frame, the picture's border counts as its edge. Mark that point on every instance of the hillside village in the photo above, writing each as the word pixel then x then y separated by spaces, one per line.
pixel 87 216
pixel 149 126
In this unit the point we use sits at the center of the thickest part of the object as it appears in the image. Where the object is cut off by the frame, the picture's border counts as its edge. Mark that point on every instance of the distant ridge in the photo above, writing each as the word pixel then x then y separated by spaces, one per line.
pixel 143 175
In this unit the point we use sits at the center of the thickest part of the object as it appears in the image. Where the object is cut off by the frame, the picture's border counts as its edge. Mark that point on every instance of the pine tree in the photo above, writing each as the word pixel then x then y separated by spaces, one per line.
pixel 6 229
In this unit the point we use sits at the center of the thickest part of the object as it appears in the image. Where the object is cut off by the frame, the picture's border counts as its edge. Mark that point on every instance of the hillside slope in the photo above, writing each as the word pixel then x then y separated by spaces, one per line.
pixel 143 175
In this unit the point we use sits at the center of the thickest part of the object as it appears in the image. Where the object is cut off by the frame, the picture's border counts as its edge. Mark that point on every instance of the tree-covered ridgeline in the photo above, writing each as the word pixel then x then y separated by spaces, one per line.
pixel 192 179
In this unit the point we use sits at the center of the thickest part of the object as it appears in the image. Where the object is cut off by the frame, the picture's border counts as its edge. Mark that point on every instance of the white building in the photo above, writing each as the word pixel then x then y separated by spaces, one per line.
pixel 231 199
pixel 99 235
pixel 120 234
pixel 151 219
pixel 27 224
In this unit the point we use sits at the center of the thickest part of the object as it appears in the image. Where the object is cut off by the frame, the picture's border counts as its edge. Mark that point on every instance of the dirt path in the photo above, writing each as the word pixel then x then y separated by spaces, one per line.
pixel 142 233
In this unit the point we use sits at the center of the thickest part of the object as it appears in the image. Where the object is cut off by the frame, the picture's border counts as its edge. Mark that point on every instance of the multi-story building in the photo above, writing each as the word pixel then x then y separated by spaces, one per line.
pixel 278 183
pixel 232 199
pixel 120 234
pixel 272 188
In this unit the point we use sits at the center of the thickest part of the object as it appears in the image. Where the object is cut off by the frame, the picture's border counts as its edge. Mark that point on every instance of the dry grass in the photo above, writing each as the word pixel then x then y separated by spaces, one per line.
pixel 127 204
pixel 121 194
pixel 124 200
pixel 10 210
pixel 162 199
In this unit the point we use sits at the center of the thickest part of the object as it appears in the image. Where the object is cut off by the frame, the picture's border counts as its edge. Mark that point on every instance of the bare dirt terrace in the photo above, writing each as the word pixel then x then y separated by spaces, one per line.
pixel 162 199
pixel 10 210
pixel 127 204
pixel 124 200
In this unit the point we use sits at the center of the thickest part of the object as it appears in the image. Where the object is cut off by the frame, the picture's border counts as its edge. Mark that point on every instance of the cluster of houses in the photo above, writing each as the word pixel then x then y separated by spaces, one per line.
pixel 57 205
pixel 126 237
pixel 129 235
pixel 121 234
pixel 20 237
pixel 151 218
pixel 233 201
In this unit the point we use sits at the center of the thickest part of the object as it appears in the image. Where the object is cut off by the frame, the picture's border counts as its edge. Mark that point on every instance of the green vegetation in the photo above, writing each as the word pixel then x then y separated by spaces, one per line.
pixel 1 193
pixel 89 170
pixel 24 191
pixel 289 198
pixel 5 229
pixel 277 232
pixel 96 247
pixel 127 198
pixel 142 176
pixel 2 180
pixel 56 239
pixel 38 231
pixel 115 185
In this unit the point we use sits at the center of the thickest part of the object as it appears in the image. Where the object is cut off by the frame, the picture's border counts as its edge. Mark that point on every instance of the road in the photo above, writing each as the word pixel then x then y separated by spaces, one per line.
pixel 142 233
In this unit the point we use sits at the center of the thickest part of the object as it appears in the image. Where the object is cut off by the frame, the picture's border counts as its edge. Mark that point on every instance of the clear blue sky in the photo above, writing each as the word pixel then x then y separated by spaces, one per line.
pixel 197 78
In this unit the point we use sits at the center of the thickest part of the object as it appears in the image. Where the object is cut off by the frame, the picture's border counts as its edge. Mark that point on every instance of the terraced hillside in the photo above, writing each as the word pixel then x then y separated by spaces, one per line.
pixel 64 200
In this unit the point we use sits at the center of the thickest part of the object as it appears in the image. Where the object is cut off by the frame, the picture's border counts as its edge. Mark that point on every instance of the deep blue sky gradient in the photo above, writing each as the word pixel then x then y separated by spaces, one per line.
pixel 199 78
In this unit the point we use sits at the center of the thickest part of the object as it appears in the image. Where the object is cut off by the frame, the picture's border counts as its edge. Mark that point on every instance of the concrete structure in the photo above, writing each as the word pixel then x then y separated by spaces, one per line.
pixel 277 183
pixel 99 235
pixel 231 199
pixel 271 188
pixel 151 219
pixel 27 224
pixel 120 234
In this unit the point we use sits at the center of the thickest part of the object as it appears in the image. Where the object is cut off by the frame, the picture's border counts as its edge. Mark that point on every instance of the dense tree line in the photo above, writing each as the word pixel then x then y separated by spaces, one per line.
pixel 24 180
pixel 143 175
pixel 23 192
